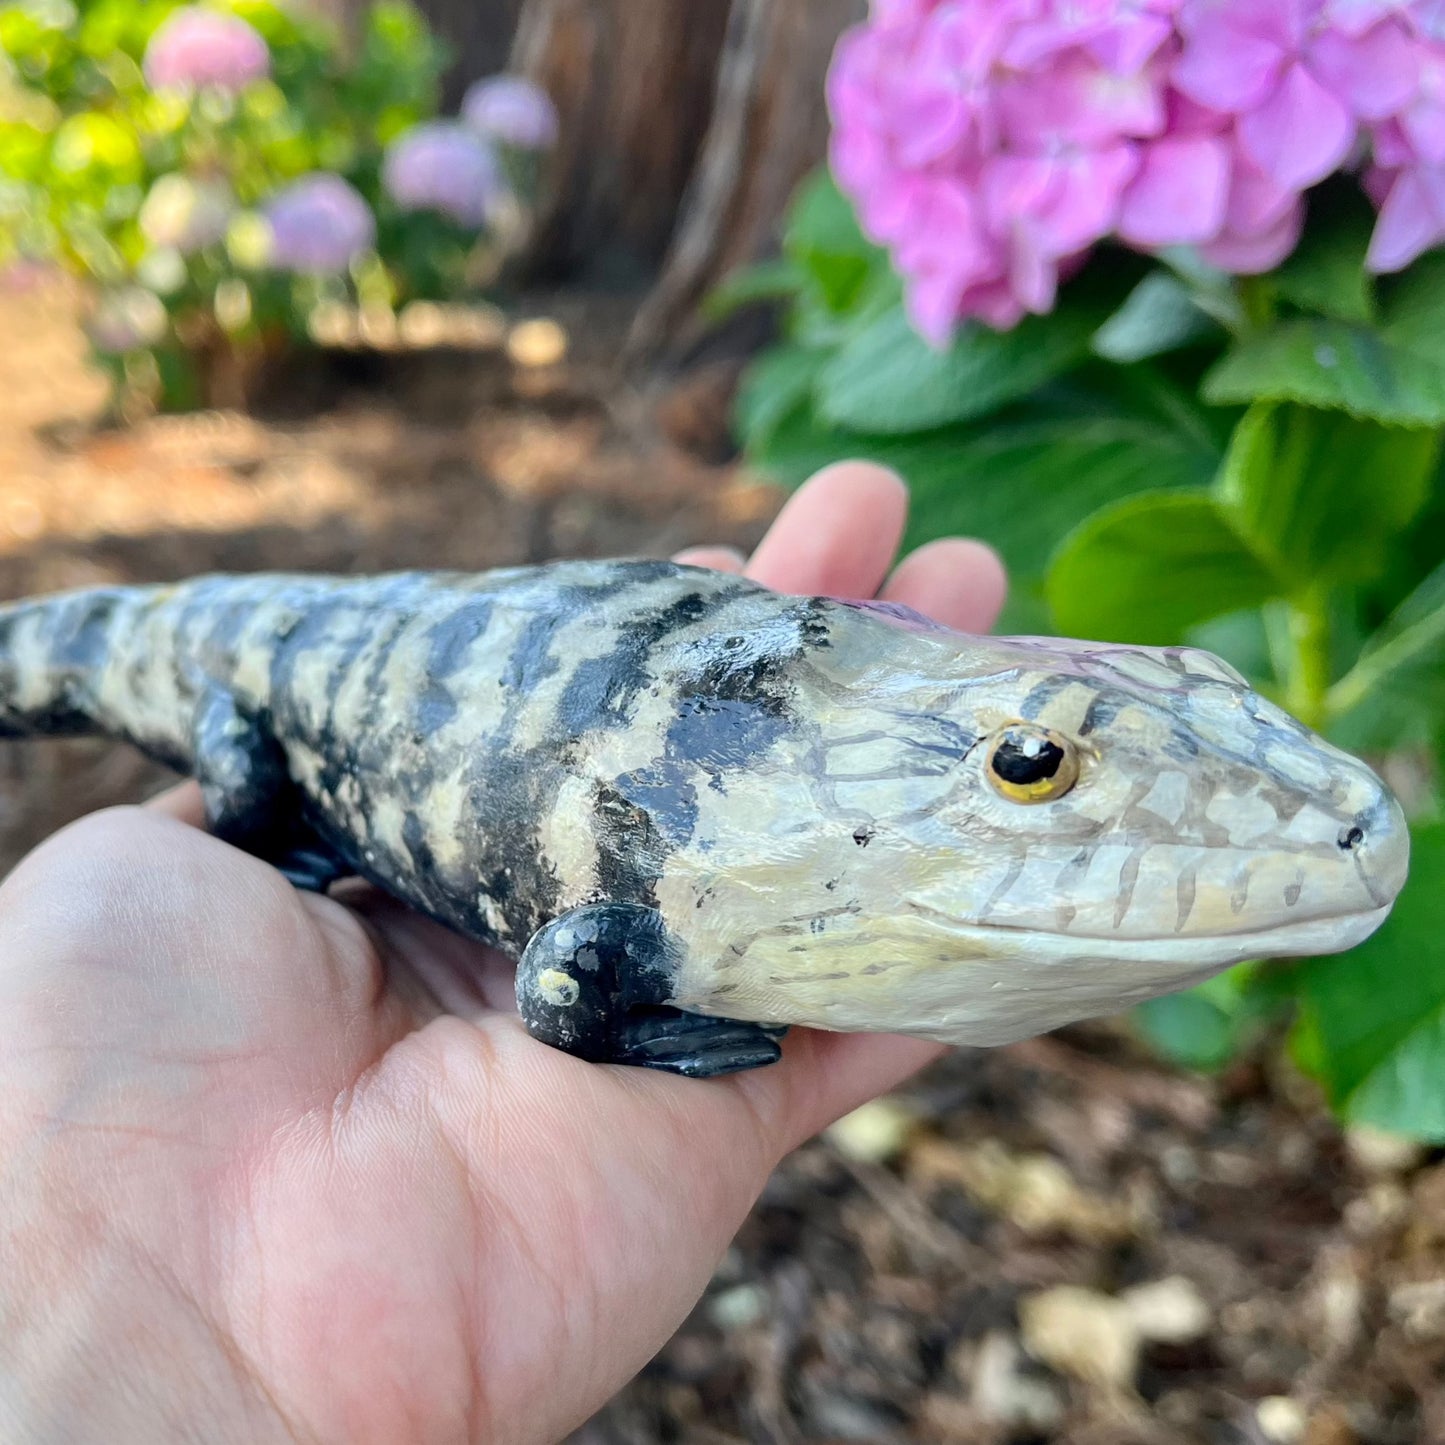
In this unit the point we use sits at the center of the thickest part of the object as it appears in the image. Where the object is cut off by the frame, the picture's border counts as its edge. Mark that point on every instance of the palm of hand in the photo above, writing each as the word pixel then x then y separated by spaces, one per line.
pixel 248 1175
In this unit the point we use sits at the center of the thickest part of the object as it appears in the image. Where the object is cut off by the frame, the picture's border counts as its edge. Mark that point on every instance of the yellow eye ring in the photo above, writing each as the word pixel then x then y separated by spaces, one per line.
pixel 1031 764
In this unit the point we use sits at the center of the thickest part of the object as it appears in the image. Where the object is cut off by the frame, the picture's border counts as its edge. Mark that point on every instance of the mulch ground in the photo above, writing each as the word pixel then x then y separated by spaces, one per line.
pixel 1059 1243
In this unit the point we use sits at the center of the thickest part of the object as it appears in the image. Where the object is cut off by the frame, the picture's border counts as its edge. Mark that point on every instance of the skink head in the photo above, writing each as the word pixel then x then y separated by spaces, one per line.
pixel 1060 829
pixel 975 839
pixel 1140 794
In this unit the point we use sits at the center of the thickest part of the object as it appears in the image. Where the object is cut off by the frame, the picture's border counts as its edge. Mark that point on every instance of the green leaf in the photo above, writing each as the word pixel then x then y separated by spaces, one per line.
pixel 823 238
pixel 1394 372
pixel 1326 274
pixel 1397 685
pixel 1205 1027
pixel 1378 1013
pixel 1159 316
pixel 767 281
pixel 773 386
pixel 1332 364
pixel 1416 309
pixel 888 380
pixel 1023 486
pixel 1022 482
pixel 1320 493
pixel 821 222
pixel 1145 569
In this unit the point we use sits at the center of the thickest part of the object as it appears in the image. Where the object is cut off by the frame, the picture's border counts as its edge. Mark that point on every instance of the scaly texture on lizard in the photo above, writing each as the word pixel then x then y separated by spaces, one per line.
pixel 697 811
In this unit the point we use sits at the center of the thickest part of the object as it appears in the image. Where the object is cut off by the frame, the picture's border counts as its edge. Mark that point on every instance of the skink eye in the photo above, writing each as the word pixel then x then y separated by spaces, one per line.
pixel 1031 764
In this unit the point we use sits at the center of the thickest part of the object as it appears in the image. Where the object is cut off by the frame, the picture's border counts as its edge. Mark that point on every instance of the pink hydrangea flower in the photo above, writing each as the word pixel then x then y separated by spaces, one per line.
pixel 319 225
pixel 512 111
pixel 1408 179
pixel 1297 80
pixel 196 47
pixel 990 144
pixel 444 166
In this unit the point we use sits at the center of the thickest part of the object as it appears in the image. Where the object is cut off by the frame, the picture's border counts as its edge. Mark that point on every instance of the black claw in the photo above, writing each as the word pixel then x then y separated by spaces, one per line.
pixel 313 870
pixel 696 1047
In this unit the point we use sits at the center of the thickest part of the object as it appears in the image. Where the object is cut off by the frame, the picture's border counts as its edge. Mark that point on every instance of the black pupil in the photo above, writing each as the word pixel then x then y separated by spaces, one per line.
pixel 1015 765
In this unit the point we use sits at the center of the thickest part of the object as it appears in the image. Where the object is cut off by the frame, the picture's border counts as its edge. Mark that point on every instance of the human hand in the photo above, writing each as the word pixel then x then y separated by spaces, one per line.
pixel 255 1187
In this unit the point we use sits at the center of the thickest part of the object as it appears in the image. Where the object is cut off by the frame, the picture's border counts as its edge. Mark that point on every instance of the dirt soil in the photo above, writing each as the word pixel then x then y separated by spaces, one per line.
pixel 1055 1242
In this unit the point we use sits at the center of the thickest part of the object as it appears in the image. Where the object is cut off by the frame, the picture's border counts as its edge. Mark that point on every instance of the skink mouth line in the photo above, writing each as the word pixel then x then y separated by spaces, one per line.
pixel 1154 939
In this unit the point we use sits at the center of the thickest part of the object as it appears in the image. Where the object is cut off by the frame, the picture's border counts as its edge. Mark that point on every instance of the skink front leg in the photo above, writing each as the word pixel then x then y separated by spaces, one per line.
pixel 250 798
pixel 597 983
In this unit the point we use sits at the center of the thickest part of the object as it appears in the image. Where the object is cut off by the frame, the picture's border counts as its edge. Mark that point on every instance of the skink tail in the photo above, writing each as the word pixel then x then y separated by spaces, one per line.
pixel 53 656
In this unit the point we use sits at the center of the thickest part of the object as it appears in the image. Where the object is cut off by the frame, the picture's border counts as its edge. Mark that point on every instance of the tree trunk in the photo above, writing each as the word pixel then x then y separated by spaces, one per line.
pixel 686 124
pixel 479 33
pixel 634 82
pixel 769 128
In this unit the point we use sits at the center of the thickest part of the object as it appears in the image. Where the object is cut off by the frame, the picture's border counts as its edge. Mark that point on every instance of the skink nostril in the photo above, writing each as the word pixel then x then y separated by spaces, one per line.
pixel 1350 839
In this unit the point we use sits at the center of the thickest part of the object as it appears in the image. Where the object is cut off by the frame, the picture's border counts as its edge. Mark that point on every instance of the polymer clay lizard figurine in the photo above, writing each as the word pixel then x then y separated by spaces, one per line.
pixel 698 811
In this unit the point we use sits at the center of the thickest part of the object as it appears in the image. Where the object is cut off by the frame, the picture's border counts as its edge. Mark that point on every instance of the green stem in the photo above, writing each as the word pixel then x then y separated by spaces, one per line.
pixel 1307 685
pixel 1257 301
pixel 1372 669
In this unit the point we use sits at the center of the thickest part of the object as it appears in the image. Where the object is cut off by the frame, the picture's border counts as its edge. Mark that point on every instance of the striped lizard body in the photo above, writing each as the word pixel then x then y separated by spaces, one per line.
pixel 697 810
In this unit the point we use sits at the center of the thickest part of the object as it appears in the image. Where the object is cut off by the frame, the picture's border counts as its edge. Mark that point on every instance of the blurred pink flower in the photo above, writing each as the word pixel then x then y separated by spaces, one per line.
pixel 512 111
pixel 444 166
pixel 991 143
pixel 197 47
pixel 319 225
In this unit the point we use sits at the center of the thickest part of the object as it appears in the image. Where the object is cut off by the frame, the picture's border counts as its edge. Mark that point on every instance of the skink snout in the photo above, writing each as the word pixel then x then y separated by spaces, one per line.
pixel 1377 842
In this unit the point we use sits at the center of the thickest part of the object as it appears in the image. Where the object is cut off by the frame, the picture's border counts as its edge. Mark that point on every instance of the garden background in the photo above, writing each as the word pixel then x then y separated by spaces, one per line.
pixel 633 332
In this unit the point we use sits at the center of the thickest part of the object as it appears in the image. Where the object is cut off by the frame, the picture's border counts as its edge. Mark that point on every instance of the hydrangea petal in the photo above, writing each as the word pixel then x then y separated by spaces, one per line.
pixel 1411 222
pixel 1256 201
pixel 1422 122
pixel 930 123
pixel 1423 129
pixel 1179 196
pixel 1130 45
pixel 1252 255
pixel 1376 182
pixel 1300 134
pixel 1374 75
pixel 1084 204
pixel 941 230
pixel 933 303
pixel 1033 276
pixel 993 303
pixel 1353 18
pixel 1227 67
pixel 1076 103
pixel 859 159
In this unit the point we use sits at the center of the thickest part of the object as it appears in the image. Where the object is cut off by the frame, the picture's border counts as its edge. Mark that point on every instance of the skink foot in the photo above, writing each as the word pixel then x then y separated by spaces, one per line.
pixel 598 983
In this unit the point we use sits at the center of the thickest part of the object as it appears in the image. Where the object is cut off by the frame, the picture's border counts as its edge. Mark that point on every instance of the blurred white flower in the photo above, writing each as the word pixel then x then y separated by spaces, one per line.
pixel 126 319
pixel 186 215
